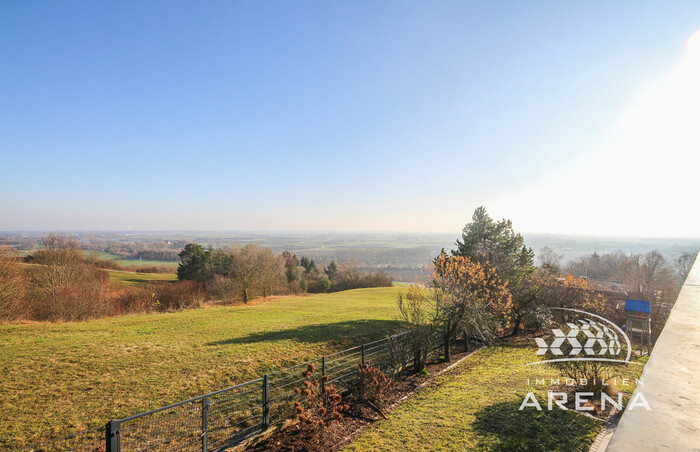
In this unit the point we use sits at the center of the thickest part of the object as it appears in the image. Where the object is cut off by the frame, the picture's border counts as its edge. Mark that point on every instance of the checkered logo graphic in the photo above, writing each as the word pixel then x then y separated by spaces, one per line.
pixel 590 337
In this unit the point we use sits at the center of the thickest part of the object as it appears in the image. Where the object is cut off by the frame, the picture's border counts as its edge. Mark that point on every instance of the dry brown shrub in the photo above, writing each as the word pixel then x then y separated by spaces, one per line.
pixel 321 404
pixel 374 385
pixel 161 296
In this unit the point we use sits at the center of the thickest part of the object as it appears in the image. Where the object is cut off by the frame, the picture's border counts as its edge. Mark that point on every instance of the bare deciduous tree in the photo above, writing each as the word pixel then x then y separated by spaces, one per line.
pixel 255 271
pixel 59 264
pixel 65 286
pixel 549 260
pixel 13 286
pixel 684 264
pixel 650 276
pixel 418 310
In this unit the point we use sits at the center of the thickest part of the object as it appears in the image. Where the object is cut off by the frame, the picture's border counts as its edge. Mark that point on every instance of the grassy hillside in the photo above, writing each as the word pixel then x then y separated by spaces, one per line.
pixel 59 378
pixel 475 407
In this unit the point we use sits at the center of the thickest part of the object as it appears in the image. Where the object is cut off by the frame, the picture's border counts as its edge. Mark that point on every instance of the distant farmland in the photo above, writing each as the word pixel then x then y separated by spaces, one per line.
pixel 134 278
pixel 402 255
pixel 126 261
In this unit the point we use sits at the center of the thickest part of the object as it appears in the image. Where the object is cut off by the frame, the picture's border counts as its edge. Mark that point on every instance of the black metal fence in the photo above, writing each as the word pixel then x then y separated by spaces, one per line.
pixel 223 418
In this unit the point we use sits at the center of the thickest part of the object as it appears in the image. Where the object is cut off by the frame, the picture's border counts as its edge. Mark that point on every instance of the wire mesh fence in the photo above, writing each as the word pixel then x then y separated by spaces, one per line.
pixel 223 418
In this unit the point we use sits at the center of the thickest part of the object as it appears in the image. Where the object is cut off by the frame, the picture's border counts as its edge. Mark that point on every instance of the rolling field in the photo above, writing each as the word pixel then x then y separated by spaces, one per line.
pixel 103 255
pixel 134 278
pixel 60 378
pixel 148 262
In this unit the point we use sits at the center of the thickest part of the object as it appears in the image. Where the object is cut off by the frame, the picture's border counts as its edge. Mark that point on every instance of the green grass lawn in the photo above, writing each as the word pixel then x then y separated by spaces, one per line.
pixel 134 278
pixel 60 378
pixel 105 256
pixel 148 262
pixel 475 406
pixel 402 284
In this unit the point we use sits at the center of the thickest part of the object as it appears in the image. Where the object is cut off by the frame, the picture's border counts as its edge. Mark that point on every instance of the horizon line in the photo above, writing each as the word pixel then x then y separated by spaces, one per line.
pixel 327 231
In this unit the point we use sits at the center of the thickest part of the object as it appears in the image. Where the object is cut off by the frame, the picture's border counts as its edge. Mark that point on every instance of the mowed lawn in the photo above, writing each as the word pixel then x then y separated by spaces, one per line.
pixel 60 378
pixel 475 406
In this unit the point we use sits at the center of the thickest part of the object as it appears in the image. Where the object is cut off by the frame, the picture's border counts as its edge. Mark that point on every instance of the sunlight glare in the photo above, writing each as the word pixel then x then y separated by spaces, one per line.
pixel 692 46
pixel 653 148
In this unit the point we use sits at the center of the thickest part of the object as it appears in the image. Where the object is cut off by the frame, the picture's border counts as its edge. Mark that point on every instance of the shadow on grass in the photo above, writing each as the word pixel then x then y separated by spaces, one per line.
pixel 338 332
pixel 502 427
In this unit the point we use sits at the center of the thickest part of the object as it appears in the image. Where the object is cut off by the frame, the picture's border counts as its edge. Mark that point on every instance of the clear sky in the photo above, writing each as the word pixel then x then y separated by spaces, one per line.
pixel 570 117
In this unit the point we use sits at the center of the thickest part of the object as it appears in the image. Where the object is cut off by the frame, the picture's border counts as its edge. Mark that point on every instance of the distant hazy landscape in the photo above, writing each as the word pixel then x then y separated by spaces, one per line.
pixel 401 255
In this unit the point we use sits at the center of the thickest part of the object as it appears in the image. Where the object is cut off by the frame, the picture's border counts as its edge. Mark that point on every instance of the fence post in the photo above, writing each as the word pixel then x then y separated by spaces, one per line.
pixel 112 442
pixel 363 354
pixel 323 373
pixel 266 402
pixel 205 423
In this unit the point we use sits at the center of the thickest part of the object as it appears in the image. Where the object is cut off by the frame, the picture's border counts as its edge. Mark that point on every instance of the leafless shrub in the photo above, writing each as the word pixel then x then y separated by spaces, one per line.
pixel 13 286
pixel 64 286
pixel 161 296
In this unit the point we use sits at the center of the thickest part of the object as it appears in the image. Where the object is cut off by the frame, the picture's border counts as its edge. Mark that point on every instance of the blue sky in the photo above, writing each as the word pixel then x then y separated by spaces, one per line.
pixel 340 115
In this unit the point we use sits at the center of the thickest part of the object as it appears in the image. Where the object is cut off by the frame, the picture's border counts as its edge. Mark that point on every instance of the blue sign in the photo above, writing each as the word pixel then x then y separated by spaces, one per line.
pixel 638 306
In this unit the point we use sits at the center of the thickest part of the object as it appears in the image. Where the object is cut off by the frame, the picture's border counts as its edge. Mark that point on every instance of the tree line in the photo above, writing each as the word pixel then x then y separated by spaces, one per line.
pixel 58 282
pixel 251 271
